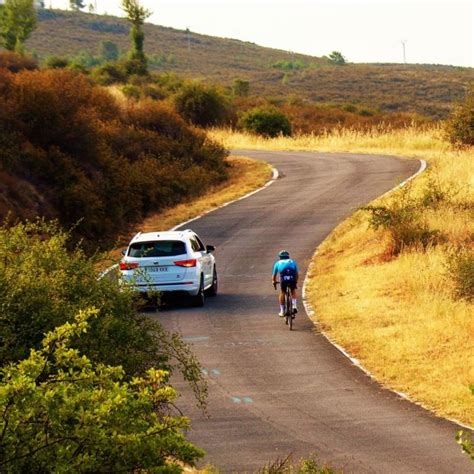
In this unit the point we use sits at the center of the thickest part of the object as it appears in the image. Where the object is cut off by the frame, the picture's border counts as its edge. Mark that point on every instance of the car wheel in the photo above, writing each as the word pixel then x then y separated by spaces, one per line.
pixel 198 300
pixel 212 291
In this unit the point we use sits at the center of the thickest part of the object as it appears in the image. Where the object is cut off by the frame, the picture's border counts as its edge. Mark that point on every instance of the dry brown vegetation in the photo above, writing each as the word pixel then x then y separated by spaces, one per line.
pixel 69 150
pixel 244 176
pixel 404 312
pixel 424 89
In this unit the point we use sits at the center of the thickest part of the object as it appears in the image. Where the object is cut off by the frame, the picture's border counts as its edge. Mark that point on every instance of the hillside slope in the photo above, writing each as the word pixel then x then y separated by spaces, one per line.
pixel 427 89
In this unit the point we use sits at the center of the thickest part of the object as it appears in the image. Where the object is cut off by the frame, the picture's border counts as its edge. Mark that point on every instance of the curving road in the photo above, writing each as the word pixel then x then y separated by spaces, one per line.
pixel 273 392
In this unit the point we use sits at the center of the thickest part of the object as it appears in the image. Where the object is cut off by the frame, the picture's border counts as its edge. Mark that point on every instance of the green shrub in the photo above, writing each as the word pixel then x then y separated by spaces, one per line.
pixel 135 67
pixel 269 122
pixel 240 88
pixel 337 58
pixel 85 60
pixel 202 105
pixel 169 82
pixel 464 438
pixel 402 219
pixel 290 65
pixel 61 412
pixel 153 91
pixel 131 92
pixel 108 51
pixel 460 127
pixel 285 465
pixel 461 270
pixel 56 62
pixel 43 285
pixel 110 73
pixel 351 108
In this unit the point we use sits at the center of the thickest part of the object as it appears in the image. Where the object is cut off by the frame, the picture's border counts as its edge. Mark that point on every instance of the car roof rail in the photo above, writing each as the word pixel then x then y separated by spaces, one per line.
pixel 137 235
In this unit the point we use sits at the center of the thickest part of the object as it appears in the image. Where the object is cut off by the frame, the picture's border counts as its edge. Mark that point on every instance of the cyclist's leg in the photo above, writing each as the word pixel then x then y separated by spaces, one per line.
pixel 281 300
pixel 294 298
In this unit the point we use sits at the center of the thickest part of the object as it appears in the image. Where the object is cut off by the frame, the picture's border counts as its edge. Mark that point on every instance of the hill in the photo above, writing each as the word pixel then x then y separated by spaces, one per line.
pixel 426 89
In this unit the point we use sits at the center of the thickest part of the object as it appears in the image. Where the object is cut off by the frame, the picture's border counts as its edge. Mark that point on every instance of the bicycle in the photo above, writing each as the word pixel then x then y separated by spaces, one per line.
pixel 289 312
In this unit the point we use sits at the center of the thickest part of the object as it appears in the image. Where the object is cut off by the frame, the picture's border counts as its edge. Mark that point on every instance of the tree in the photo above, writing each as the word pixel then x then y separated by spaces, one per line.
pixel 61 412
pixel 137 15
pixel 17 22
pixel 337 58
pixel 460 126
pixel 77 4
pixel 241 88
pixel 108 51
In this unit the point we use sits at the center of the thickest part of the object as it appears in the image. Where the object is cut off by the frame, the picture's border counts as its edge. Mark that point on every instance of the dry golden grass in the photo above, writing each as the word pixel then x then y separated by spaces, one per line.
pixel 245 175
pixel 398 316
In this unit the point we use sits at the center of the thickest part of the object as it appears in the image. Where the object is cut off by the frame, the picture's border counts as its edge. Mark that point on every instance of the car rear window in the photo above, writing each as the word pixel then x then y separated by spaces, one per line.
pixel 162 248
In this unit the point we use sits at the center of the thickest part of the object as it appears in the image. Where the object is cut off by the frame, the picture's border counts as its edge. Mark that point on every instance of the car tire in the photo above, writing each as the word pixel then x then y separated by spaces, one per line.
pixel 198 300
pixel 212 291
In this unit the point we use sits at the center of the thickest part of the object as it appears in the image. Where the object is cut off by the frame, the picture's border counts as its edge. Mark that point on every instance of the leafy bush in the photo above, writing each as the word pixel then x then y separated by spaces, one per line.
pixel 403 222
pixel 464 438
pixel 131 91
pixel 64 413
pixel 269 122
pixel 460 127
pixel 241 88
pixel 85 60
pixel 290 65
pixel 43 285
pixel 135 67
pixel 461 269
pixel 108 51
pixel 56 62
pixel 202 105
pixel 16 62
pixel 110 73
pixel 285 465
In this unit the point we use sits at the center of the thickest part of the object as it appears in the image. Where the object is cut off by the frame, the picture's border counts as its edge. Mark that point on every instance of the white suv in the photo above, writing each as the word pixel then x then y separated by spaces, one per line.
pixel 170 261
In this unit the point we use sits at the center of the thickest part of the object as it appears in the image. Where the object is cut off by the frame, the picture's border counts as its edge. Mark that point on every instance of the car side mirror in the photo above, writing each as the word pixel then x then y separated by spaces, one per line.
pixel 210 248
pixel 124 252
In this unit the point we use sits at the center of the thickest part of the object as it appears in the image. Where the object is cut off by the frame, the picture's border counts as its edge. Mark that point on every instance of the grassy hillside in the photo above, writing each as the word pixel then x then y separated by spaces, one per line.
pixel 426 89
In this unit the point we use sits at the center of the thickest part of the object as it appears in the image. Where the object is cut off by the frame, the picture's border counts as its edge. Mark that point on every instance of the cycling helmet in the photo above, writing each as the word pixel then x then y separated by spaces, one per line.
pixel 284 254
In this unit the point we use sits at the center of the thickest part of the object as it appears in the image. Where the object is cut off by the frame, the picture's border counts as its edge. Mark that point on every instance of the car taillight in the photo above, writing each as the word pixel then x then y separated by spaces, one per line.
pixel 186 263
pixel 128 265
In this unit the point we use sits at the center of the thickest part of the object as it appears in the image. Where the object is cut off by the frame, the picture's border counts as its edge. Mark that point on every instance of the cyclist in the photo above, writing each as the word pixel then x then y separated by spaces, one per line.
pixel 287 269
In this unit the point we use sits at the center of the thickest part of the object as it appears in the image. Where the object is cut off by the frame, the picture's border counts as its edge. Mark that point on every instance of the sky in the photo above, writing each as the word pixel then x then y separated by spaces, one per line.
pixel 434 32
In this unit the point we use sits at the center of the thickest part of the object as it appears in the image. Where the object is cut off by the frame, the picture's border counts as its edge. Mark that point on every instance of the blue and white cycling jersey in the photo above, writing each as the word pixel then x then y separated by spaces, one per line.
pixel 281 266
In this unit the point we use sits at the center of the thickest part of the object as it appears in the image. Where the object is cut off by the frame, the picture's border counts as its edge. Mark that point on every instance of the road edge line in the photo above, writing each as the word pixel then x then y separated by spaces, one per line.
pixel 312 314
pixel 275 176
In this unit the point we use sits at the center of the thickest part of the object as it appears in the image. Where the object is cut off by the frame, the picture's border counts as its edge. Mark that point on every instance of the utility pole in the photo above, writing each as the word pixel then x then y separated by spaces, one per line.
pixel 404 42
pixel 188 32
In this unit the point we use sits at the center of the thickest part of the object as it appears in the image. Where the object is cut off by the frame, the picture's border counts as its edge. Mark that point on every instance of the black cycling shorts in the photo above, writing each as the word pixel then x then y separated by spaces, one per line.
pixel 290 284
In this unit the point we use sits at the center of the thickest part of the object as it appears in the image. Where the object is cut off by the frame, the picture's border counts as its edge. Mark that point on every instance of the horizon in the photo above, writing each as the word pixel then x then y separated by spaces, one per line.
pixel 363 31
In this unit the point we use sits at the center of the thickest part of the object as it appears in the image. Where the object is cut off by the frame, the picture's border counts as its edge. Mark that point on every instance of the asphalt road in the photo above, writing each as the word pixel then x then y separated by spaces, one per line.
pixel 275 392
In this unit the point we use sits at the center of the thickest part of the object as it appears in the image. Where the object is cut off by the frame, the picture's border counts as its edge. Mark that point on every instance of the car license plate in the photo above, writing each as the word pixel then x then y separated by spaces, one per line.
pixel 156 269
